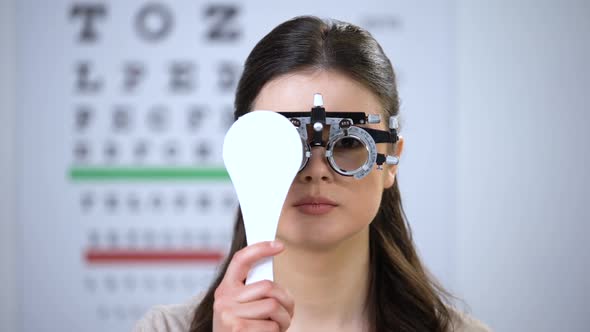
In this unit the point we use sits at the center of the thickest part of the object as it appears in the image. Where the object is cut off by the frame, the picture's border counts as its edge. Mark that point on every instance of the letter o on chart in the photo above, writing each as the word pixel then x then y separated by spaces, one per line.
pixel 154 22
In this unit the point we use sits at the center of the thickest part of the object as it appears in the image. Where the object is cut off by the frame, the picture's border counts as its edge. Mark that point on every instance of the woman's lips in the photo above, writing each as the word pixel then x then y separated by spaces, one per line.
pixel 315 205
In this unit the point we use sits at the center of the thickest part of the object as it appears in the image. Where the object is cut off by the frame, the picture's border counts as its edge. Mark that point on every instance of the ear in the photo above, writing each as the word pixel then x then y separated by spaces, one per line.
pixel 390 171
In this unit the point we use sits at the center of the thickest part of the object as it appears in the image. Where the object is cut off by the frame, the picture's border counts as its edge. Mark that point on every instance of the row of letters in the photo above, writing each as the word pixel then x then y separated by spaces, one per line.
pixel 182 77
pixel 131 282
pixel 199 203
pixel 154 22
pixel 158 118
pixel 143 152
pixel 135 238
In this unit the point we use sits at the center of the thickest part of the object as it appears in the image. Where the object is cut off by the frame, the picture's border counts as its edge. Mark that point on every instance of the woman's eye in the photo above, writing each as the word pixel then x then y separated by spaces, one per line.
pixel 348 143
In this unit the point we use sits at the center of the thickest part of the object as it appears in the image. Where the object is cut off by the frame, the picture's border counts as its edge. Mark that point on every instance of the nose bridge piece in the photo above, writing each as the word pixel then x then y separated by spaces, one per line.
pixel 318 152
pixel 317 165
pixel 318 120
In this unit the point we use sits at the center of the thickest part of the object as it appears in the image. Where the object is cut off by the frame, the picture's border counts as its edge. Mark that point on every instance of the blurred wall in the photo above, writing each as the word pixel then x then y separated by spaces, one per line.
pixel 7 171
pixel 522 163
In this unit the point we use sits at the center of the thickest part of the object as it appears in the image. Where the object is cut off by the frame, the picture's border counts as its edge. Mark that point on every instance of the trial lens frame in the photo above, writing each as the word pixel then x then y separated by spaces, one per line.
pixel 342 125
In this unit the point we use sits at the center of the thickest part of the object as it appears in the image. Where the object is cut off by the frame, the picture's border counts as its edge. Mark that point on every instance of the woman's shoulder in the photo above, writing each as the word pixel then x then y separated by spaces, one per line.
pixel 168 318
pixel 463 322
pixel 178 317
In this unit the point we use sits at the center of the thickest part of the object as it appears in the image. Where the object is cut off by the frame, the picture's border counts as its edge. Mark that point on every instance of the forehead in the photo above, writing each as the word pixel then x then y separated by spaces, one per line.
pixel 294 92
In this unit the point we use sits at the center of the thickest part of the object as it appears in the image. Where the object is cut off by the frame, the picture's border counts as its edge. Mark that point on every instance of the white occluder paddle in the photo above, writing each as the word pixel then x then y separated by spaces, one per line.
pixel 262 152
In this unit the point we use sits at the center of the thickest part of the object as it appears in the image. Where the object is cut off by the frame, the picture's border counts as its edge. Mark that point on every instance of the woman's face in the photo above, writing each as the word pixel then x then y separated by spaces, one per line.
pixel 324 208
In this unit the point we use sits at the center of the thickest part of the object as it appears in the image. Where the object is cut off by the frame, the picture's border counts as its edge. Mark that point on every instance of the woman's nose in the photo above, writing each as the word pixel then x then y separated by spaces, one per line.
pixel 317 168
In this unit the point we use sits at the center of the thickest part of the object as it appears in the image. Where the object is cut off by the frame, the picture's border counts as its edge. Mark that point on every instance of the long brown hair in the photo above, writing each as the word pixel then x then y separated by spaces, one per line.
pixel 402 296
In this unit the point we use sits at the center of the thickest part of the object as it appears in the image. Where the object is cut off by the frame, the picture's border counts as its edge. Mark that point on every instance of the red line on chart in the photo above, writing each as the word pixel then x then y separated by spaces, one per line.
pixel 118 256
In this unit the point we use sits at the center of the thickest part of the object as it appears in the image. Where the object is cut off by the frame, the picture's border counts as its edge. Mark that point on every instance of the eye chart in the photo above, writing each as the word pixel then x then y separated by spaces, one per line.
pixel 123 201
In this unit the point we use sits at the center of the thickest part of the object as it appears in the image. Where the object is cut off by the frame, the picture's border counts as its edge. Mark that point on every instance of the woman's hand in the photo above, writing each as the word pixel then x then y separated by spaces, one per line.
pixel 262 306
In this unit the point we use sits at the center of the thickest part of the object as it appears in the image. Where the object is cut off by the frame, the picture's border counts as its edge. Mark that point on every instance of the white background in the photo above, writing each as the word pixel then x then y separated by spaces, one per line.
pixel 520 189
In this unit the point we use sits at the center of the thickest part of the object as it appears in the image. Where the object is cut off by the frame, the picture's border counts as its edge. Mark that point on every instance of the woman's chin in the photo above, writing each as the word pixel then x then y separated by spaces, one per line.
pixel 314 237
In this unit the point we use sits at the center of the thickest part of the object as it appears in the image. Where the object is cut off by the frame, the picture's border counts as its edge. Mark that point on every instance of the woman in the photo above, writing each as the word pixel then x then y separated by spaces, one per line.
pixel 344 256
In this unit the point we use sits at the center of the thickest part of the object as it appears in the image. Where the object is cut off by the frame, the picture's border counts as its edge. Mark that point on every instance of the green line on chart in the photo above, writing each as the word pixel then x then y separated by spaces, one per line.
pixel 148 173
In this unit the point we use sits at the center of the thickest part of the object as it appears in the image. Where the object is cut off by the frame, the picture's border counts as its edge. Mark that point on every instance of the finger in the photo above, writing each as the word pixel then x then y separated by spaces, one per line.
pixel 266 289
pixel 243 260
pixel 264 309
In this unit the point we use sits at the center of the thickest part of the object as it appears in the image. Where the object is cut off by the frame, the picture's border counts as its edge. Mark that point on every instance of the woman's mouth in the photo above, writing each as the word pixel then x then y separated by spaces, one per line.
pixel 315 205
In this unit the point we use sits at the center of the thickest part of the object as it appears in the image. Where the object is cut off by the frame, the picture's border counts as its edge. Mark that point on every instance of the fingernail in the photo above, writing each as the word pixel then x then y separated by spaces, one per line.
pixel 276 244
